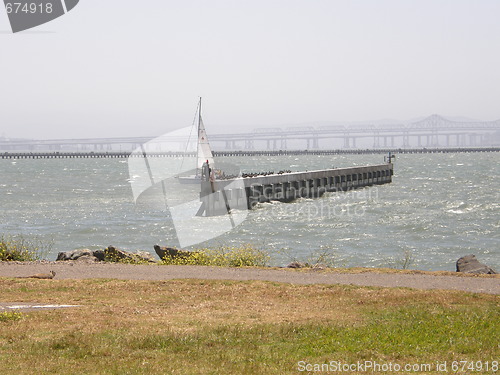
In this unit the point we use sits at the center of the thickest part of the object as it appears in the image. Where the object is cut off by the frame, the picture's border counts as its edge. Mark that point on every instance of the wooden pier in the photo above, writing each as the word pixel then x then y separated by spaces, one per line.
pixel 219 197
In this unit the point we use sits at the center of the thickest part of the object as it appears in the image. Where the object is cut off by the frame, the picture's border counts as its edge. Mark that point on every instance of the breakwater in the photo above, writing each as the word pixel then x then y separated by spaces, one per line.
pixel 219 197
pixel 124 155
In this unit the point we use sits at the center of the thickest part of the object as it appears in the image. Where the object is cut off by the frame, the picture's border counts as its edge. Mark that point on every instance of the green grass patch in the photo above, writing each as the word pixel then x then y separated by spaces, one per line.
pixel 226 327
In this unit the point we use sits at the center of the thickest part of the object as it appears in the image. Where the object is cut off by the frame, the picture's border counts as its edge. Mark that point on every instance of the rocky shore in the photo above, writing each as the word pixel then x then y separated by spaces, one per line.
pixel 113 263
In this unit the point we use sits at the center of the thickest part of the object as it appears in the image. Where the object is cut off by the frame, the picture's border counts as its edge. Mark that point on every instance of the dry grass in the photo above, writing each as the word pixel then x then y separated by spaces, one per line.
pixel 184 304
pixel 358 270
pixel 212 327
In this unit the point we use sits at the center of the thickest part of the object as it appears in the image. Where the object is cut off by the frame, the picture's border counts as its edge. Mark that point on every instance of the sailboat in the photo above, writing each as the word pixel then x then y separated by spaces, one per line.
pixel 203 153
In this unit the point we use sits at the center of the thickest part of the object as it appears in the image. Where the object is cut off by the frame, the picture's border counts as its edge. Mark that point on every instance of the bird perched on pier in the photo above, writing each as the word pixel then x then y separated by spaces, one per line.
pixel 49 275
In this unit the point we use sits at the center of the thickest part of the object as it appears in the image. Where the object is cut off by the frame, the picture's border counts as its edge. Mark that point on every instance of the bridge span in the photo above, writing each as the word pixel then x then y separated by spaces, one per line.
pixel 432 132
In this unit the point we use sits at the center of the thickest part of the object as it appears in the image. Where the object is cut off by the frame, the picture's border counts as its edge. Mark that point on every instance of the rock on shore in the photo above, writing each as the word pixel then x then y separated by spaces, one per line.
pixel 110 254
pixel 470 264
pixel 164 252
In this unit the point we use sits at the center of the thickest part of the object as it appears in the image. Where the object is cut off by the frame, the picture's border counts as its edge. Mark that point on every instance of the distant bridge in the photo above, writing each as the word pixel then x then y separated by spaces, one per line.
pixel 432 132
pixel 253 153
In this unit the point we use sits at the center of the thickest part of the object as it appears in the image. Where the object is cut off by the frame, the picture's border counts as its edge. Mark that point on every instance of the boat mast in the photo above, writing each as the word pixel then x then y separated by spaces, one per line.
pixel 198 169
pixel 199 117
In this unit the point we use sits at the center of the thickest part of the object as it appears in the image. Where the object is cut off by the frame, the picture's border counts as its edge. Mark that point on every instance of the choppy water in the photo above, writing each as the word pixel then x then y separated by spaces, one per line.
pixel 439 207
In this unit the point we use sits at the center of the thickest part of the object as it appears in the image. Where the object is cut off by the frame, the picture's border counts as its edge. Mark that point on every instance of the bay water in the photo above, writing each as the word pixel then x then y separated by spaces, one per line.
pixel 438 208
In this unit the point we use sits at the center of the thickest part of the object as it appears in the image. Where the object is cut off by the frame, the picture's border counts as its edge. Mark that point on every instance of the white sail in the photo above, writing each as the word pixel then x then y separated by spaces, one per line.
pixel 204 152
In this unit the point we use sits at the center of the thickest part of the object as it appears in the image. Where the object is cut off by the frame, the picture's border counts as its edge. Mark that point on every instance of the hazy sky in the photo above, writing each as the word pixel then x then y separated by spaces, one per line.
pixel 136 68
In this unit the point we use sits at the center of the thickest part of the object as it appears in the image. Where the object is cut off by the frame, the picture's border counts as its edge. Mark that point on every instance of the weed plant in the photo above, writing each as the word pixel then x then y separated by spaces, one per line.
pixel 324 257
pixel 10 316
pixel 224 256
pixel 402 262
pixel 21 248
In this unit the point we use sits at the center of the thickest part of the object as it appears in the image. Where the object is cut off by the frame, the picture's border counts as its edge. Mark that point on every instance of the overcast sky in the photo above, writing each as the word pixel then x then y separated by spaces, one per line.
pixel 136 68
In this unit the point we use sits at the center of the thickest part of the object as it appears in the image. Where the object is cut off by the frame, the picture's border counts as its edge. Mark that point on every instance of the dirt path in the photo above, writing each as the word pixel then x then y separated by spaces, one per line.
pixel 75 270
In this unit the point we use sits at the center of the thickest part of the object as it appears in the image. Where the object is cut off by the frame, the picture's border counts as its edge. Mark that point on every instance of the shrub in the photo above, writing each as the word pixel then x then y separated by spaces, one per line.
pixel 8 316
pixel 323 257
pixel 402 262
pixel 20 248
pixel 226 256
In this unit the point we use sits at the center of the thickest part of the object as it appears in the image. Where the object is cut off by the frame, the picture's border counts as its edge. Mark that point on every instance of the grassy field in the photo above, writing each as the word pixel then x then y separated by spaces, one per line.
pixel 217 327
